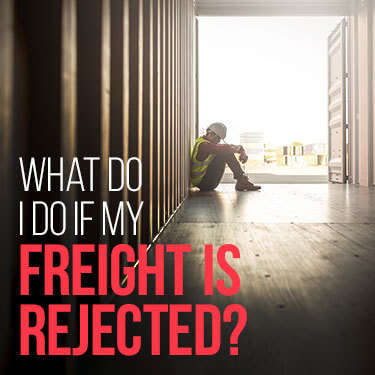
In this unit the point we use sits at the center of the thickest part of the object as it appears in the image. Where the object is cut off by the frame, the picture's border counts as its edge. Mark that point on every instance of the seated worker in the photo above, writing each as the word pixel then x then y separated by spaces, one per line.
pixel 208 159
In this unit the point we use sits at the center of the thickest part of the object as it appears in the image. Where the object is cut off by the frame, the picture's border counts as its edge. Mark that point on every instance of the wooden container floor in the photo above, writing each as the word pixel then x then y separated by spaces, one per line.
pixel 307 271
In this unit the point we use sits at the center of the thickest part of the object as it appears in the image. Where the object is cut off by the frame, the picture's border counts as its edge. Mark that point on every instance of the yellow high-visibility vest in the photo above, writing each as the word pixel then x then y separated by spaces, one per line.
pixel 198 168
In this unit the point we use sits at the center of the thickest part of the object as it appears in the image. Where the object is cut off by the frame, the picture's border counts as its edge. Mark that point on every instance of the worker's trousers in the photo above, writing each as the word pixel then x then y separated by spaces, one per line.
pixel 215 171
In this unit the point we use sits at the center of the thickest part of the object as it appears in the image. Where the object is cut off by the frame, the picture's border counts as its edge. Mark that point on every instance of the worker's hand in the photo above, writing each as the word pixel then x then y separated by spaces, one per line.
pixel 243 157
pixel 237 148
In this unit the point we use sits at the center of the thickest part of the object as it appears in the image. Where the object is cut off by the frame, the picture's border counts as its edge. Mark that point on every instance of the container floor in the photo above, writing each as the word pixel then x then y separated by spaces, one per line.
pixel 307 271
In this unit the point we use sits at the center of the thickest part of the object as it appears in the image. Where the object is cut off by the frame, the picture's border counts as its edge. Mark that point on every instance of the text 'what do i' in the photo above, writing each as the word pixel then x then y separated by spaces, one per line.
pixel 52 218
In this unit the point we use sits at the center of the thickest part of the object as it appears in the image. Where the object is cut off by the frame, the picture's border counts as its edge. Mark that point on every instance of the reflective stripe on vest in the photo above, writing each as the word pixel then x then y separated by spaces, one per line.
pixel 198 168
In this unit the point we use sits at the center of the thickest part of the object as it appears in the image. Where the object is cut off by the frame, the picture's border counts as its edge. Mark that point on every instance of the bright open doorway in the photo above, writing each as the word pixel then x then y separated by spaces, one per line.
pixel 267 79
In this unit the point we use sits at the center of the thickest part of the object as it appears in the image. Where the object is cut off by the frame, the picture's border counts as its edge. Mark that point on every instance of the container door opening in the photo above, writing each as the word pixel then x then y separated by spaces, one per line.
pixel 266 77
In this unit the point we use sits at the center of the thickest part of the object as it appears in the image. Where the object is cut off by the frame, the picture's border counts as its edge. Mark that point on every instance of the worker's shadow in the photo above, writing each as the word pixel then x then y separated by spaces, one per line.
pixel 207 206
pixel 221 205
pixel 234 206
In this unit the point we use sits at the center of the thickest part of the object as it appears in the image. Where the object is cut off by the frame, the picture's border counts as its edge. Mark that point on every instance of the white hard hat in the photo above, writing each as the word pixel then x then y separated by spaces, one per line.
pixel 219 129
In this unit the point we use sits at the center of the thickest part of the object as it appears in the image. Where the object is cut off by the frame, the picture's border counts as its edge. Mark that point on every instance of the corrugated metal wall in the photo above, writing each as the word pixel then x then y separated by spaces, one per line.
pixel 95 78
pixel 142 57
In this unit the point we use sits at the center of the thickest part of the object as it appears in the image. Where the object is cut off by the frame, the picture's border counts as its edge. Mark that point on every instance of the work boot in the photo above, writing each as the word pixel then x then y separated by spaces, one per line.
pixel 243 184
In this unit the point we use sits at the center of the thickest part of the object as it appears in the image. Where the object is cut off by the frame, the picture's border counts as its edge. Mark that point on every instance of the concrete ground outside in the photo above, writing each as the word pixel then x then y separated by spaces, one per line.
pixel 271 174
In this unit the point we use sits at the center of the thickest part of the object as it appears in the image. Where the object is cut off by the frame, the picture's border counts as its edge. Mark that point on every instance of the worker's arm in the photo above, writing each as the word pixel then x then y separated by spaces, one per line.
pixel 237 148
pixel 207 148
pixel 212 148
